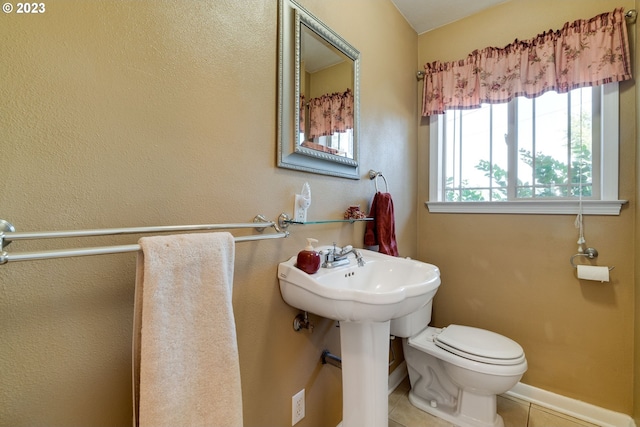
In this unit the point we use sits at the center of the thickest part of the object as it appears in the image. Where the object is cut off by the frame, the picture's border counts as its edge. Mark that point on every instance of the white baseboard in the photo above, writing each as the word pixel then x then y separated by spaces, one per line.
pixel 572 407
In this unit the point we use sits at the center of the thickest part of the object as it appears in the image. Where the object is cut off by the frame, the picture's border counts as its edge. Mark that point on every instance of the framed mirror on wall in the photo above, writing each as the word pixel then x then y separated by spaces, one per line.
pixel 319 96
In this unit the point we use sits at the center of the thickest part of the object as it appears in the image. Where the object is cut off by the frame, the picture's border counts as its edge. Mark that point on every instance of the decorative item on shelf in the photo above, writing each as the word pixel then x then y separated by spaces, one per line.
pixel 354 212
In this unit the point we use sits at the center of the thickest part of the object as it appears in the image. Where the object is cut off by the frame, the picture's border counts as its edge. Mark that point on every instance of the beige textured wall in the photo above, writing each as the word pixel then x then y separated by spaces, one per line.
pixel 121 113
pixel 511 273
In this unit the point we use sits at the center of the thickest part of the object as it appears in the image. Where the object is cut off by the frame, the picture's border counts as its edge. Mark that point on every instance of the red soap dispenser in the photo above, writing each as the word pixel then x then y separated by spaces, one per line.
pixel 309 259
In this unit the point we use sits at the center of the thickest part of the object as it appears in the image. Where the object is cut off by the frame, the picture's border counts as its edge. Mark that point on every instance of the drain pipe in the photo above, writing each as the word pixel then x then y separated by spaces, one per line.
pixel 331 359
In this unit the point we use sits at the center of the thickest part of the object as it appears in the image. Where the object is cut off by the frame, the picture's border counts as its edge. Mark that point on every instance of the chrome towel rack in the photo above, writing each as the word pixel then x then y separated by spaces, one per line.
pixel 373 175
pixel 8 235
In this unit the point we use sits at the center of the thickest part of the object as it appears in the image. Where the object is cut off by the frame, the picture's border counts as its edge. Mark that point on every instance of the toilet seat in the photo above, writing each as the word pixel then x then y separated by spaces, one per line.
pixel 479 345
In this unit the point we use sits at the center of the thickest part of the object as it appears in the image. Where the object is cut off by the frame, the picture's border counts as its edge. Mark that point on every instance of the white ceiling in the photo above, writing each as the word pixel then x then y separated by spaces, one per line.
pixel 425 15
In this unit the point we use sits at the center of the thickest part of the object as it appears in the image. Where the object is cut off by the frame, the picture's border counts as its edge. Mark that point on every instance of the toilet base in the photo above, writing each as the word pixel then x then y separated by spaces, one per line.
pixel 466 415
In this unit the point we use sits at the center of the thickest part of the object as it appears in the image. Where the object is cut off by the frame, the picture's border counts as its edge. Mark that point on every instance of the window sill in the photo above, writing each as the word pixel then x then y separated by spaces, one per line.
pixel 539 207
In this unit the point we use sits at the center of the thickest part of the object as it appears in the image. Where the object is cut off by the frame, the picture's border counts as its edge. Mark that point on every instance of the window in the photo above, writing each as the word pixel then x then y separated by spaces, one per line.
pixel 536 155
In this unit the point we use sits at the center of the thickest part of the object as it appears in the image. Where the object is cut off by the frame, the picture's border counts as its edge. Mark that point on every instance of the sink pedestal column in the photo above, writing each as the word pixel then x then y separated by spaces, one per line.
pixel 365 373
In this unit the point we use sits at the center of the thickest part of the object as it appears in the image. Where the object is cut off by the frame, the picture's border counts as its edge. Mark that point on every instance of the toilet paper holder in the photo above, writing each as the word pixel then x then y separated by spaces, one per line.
pixel 590 253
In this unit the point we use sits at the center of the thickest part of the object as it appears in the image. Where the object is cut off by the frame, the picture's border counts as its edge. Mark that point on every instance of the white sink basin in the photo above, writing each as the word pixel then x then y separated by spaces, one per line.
pixel 364 299
pixel 384 288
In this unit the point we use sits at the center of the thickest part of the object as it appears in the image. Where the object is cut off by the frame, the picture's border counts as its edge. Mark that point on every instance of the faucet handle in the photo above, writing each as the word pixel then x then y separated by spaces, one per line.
pixel 326 256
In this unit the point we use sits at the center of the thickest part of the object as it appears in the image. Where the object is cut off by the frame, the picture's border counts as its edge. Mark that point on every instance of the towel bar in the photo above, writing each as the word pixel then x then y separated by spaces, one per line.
pixel 8 234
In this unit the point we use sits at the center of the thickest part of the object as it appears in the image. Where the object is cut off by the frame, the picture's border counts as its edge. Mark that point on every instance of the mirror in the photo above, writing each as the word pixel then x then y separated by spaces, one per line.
pixel 318 115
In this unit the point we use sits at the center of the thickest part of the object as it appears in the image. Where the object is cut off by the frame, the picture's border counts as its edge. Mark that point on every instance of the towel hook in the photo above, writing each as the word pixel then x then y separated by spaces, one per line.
pixel 590 253
pixel 373 175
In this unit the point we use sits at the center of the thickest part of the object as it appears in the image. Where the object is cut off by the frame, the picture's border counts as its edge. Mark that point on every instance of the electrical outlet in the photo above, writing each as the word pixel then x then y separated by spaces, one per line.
pixel 297 407
pixel 299 212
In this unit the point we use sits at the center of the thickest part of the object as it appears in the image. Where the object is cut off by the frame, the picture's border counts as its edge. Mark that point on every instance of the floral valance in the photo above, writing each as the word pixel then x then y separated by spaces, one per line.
pixel 583 53
pixel 330 113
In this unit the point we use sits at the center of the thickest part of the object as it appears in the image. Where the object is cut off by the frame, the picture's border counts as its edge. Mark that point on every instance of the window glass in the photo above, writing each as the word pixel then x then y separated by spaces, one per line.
pixel 548 138
pixel 540 155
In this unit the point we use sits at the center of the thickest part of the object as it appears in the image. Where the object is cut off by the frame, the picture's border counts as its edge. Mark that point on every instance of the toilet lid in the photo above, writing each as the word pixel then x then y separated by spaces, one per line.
pixel 480 345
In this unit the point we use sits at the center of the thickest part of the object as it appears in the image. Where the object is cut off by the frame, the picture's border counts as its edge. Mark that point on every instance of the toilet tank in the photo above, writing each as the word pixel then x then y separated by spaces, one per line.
pixel 409 325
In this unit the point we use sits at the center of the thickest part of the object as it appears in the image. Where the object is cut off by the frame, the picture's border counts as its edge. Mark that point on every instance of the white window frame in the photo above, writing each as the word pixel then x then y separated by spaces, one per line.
pixel 608 204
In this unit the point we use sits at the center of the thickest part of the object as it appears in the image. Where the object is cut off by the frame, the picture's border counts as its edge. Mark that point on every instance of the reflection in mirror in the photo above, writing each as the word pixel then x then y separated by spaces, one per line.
pixel 319 96
pixel 326 96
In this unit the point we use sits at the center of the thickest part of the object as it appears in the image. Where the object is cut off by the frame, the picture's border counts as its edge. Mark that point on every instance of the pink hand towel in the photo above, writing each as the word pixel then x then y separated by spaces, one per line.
pixel 185 356
pixel 382 230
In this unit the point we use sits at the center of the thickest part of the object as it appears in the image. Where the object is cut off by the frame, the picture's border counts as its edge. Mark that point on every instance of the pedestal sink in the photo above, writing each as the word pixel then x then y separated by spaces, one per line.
pixel 363 299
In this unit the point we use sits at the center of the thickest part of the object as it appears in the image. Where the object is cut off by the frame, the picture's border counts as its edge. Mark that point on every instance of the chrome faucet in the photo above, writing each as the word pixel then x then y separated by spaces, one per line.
pixel 336 257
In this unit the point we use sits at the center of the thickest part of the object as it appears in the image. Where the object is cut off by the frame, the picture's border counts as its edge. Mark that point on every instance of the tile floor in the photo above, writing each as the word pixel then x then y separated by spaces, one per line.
pixel 514 412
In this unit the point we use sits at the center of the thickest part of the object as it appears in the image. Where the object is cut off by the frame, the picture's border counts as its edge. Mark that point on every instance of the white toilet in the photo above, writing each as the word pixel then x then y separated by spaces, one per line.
pixel 456 372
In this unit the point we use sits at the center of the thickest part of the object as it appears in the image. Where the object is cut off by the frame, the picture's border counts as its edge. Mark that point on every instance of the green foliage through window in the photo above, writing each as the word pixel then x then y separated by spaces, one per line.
pixel 551 177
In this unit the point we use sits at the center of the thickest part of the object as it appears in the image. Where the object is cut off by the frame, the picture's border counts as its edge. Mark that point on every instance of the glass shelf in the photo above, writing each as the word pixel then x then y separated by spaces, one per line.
pixel 326 221
pixel 285 220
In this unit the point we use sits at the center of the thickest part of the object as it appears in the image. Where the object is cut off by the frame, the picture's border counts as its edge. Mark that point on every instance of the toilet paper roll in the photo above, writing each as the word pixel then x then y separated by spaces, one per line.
pixel 592 272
